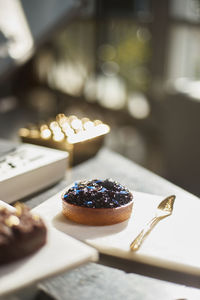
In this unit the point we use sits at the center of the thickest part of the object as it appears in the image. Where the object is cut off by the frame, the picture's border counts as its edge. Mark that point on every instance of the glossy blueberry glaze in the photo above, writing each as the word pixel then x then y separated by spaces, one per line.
pixel 98 194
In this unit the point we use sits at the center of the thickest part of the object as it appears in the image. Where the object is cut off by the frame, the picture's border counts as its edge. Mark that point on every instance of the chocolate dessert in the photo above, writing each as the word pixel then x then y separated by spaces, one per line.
pixel 21 233
pixel 97 202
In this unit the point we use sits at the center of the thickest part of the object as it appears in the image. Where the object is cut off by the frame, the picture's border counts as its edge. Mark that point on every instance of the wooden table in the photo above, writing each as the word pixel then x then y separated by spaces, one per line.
pixel 113 278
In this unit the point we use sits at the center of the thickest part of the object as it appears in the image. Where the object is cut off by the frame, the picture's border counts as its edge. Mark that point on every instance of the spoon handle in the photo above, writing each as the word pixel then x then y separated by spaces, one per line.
pixel 135 245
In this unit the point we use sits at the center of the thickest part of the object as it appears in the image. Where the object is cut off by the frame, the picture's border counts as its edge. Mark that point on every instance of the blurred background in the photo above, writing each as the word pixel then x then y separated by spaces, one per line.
pixel 133 64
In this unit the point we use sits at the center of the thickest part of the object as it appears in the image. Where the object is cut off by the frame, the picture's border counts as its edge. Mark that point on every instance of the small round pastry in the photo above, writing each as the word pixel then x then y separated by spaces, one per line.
pixel 97 202
pixel 21 233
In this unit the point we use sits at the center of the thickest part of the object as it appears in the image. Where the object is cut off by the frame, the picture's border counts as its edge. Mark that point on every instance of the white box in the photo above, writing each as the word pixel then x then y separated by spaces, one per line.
pixel 29 169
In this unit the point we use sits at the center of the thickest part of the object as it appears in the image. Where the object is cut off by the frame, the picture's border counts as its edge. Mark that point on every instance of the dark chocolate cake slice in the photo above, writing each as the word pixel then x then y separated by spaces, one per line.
pixel 21 233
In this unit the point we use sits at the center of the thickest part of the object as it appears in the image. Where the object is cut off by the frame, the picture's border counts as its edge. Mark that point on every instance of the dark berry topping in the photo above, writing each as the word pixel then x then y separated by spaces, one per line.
pixel 98 194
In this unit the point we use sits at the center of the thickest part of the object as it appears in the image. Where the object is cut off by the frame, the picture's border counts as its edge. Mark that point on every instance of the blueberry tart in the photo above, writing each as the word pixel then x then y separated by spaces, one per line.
pixel 97 202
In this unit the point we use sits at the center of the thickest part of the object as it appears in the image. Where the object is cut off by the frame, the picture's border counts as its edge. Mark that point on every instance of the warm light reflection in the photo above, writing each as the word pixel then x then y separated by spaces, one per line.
pixel 67 129
pixel 90 133
pixel 84 120
pixel 54 126
pixel 88 125
pixel 58 136
pixel 102 129
pixel 81 138
pixel 45 132
pixel 97 122
pixel 76 124
pixel 68 77
pixel 14 26
pixel 187 86
pixel 138 106
pixel 111 92
pixel 61 119
pixel 34 133
pixel 24 132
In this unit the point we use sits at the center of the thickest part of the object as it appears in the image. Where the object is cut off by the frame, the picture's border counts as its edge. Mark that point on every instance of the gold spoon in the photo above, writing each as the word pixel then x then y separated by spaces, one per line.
pixel 163 210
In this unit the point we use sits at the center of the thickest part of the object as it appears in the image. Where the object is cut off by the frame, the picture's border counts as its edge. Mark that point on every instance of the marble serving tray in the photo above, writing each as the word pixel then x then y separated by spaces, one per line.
pixel 60 254
pixel 173 243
